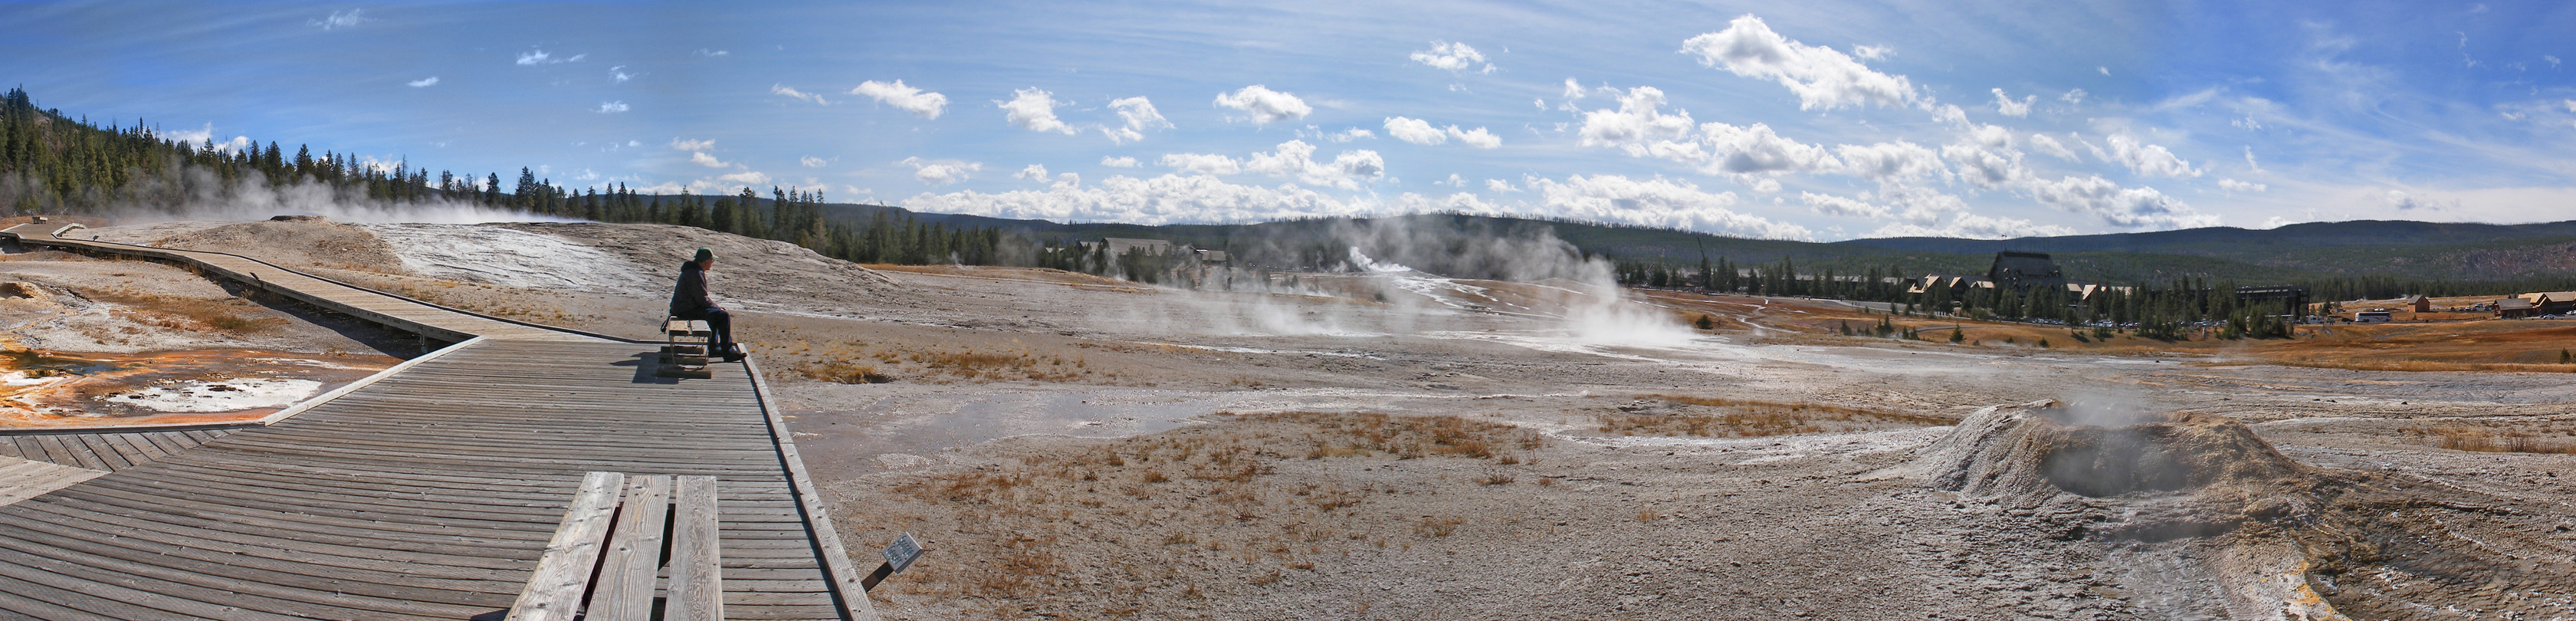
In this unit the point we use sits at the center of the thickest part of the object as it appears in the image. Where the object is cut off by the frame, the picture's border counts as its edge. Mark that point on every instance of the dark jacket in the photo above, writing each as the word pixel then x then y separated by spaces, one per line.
pixel 691 297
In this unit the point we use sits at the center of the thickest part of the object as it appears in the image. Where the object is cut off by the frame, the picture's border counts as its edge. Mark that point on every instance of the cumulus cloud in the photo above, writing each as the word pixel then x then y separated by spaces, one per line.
pixel 1294 160
pixel 1415 131
pixel 782 89
pixel 1640 127
pixel 1820 76
pixel 1890 161
pixel 618 75
pixel 1034 172
pixel 1972 226
pixel 1264 105
pixel 1033 109
pixel 811 161
pixel 682 144
pixel 1162 199
pixel 1756 149
pixel 1139 115
pixel 201 136
pixel 1120 162
pixel 1453 57
pixel 2052 147
pixel 612 107
pixel 2233 185
pixel 423 82
pixel 1655 202
pixel 941 172
pixel 920 103
pixel 340 19
pixel 2144 159
pixel 702 159
pixel 748 177
pixel 1499 186
pixel 2005 104
pixel 2127 207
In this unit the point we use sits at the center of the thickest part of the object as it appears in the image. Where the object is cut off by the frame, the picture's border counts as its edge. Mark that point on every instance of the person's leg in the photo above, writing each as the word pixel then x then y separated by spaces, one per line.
pixel 722 322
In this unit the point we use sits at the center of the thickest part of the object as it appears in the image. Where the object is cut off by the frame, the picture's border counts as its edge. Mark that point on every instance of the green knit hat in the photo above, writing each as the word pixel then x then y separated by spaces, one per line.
pixel 704 254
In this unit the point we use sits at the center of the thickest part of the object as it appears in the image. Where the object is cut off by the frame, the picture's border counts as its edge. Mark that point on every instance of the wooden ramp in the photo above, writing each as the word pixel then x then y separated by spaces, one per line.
pixel 428 494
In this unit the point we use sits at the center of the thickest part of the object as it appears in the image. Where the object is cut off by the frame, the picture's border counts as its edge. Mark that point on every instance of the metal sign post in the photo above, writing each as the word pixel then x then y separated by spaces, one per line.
pixel 898 557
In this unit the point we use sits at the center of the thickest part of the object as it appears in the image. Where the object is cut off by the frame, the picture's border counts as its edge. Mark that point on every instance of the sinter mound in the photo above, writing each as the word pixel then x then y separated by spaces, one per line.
pixel 296 242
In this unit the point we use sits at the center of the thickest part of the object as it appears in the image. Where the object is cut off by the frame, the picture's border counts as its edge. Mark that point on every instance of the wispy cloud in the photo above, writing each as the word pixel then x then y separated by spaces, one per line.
pixel 684 144
pixel 811 161
pixel 612 107
pixel 424 82
pixel 1120 161
pixel 782 89
pixel 540 57
pixel 342 19
pixel 708 52
pixel 616 74
pixel 940 172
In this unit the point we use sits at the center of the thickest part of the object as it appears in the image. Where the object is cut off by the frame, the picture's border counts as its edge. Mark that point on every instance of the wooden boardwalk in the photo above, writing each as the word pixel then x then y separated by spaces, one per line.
pixel 428 494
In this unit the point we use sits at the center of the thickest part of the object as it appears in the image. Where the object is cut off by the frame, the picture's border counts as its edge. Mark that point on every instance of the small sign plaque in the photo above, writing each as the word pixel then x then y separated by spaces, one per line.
pixel 900 554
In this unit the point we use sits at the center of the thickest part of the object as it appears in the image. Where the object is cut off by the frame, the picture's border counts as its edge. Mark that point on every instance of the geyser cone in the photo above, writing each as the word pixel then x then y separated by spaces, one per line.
pixel 2039 449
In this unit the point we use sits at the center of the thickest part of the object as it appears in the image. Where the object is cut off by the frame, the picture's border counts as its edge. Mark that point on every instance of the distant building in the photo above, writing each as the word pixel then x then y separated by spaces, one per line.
pixel 2420 304
pixel 2513 308
pixel 2023 270
pixel 2370 316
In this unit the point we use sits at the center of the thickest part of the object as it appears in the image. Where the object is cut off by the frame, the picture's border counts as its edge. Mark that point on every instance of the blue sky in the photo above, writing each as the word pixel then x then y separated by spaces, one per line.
pixel 1820 121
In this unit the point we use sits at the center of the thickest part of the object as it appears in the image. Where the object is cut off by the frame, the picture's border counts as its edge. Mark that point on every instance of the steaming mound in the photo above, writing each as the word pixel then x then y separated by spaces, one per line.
pixel 296 242
pixel 748 268
pixel 2203 518
pixel 2036 450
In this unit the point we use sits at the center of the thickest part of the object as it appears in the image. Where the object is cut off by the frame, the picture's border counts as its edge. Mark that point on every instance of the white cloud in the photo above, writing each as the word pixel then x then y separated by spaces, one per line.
pixel 2104 70
pixel 2571 105
pixel 1033 109
pixel 1454 181
pixel 1836 206
pixel 2553 60
pixel 2233 185
pixel 1162 199
pixel 423 82
pixel 1655 202
pixel 2127 207
pixel 1499 186
pixel 1264 105
pixel 1120 162
pixel 612 107
pixel 1294 160
pixel 1202 163
pixel 1415 131
pixel 2144 159
pixel 1453 57
pixel 2073 96
pixel 692 145
pixel 2005 104
pixel 941 172
pixel 1821 77
pixel 920 103
pixel 702 159
pixel 1986 167
pixel 2249 159
pixel 1640 127
pixel 1139 115
pixel 1756 149
pixel 811 161
pixel 1345 135
pixel 617 76
pixel 1872 52
pixel 2052 147
pixel 782 89
pixel 540 57
pixel 199 137
pixel 1034 172
pixel 708 52
pixel 1478 137
pixel 1890 161
pixel 1973 226
pixel 748 177
pixel 1421 132
pixel 338 19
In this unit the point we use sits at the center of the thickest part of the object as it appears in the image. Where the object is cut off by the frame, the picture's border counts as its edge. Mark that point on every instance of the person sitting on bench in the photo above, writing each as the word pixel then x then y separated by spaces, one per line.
pixel 690 301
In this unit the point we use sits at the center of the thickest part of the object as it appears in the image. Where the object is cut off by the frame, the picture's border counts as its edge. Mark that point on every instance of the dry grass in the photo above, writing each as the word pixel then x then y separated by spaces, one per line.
pixel 842 373
pixel 2490 439
pixel 1123 527
pixel 187 313
pixel 1682 415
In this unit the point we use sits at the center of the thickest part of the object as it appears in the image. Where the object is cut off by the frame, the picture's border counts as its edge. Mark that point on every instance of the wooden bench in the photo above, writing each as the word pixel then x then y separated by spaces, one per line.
pixel 685 352
pixel 603 561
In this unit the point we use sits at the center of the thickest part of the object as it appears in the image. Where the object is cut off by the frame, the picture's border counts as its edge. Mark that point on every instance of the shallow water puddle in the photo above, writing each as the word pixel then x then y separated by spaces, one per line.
pixel 43 389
